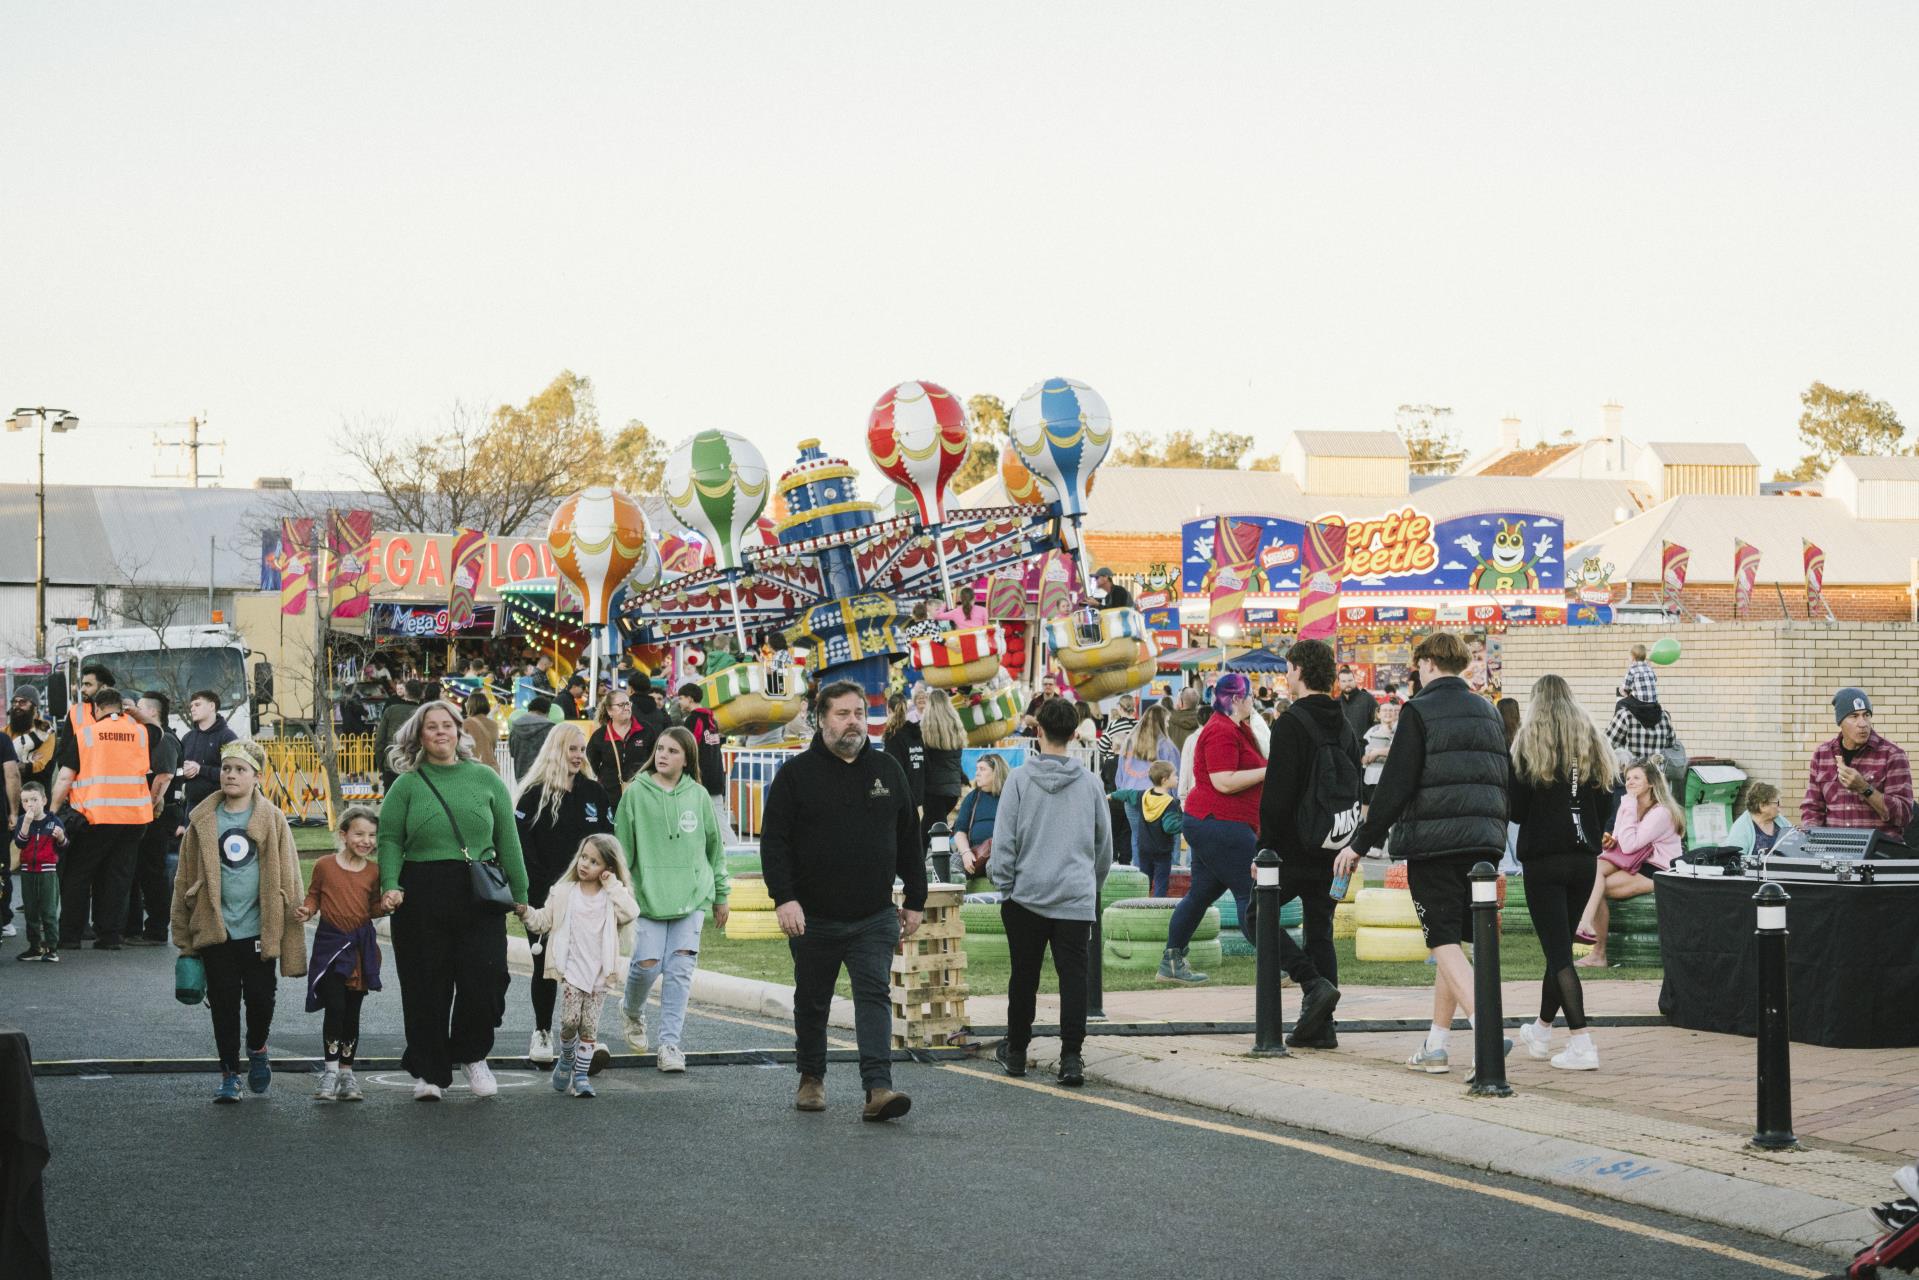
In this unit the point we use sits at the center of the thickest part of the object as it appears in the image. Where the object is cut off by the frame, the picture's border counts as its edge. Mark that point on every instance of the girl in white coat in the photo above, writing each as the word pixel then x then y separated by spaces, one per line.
pixel 588 914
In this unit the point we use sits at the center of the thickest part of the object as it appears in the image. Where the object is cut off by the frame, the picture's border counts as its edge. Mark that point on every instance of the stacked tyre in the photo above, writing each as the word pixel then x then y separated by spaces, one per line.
pixel 1233 942
pixel 1632 933
pixel 742 859
pixel 750 910
pixel 1515 907
pixel 1386 926
pixel 985 931
pixel 1134 934
pixel 1345 915
pixel 1123 883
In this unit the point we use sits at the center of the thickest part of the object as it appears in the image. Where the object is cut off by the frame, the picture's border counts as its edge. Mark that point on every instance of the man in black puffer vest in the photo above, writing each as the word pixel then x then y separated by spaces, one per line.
pixel 1442 794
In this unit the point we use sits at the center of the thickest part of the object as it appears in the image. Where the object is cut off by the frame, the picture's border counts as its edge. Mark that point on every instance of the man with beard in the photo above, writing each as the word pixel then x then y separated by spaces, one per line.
pixel 32 737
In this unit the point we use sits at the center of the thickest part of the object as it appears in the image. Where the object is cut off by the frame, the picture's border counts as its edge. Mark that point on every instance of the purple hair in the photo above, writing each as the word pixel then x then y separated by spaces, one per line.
pixel 1228 687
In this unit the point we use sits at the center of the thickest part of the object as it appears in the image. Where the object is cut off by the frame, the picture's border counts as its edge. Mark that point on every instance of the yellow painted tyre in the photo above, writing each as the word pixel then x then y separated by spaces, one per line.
pixel 1380 944
pixel 978 671
pixel 755 713
pixel 988 734
pixel 743 926
pixel 1345 922
pixel 1385 908
pixel 749 894
pixel 1355 884
pixel 1581 950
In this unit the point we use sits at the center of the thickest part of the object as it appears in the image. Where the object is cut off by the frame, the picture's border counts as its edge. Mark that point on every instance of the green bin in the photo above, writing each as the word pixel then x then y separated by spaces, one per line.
pixel 1712 788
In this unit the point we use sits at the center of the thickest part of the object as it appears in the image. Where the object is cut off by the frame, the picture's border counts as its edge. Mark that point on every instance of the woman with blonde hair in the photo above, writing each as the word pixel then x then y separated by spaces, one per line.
pixel 558 804
pixel 1561 802
pixel 973 827
pixel 1647 836
pixel 944 738
pixel 449 947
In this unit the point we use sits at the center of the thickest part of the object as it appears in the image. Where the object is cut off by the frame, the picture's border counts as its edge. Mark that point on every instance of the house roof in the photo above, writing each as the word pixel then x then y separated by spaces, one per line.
pixel 1527 462
pixel 1351 444
pixel 1702 454
pixel 1881 468
pixel 1857 551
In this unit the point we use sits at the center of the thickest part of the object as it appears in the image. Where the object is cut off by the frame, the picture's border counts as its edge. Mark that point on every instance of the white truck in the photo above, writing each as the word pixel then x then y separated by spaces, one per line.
pixel 177 661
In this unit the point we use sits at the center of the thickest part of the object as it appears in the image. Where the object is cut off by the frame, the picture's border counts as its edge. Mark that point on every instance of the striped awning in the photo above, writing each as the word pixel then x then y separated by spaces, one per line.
pixel 1191 659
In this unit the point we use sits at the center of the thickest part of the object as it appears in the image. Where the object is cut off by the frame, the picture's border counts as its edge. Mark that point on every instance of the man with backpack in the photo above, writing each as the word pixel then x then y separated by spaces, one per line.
pixel 1309 809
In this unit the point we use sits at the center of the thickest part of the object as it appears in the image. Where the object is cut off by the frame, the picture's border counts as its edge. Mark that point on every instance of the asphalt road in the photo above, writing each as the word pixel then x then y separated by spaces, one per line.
pixel 713 1173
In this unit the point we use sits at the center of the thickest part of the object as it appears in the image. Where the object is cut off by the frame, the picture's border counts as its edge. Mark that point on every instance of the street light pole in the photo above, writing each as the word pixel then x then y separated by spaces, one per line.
pixel 62 421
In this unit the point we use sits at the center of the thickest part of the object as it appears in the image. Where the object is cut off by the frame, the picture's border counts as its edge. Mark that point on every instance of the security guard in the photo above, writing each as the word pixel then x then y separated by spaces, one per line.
pixel 101 772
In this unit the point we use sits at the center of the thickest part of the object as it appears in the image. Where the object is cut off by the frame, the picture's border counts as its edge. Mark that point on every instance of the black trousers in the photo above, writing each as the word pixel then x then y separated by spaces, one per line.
pixel 340 1018
pixel 1027 936
pixel 1557 887
pixel 451 958
pixel 150 900
pixel 237 971
pixel 865 948
pixel 539 882
pixel 1313 887
pixel 96 877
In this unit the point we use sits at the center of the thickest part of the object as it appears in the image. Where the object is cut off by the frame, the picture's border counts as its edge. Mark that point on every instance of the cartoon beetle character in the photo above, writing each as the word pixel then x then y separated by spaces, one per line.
pixel 1508 569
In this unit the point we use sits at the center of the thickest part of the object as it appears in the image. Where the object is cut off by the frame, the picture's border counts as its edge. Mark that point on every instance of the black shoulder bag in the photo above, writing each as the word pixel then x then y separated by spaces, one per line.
pixel 490 890
pixel 1581 844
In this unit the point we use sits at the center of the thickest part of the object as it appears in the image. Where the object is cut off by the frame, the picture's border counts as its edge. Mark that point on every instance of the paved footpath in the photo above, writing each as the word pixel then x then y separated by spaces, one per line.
pixel 713 1173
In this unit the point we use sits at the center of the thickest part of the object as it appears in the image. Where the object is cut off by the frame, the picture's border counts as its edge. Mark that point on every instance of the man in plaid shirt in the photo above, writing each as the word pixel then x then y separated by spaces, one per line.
pixel 1858 779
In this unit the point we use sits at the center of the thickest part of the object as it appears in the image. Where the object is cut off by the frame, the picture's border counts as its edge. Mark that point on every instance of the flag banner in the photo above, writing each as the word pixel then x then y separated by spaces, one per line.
pixel 1815 580
pixel 1235 551
pixel 349 581
pixel 1745 571
pixel 1673 559
pixel 468 545
pixel 296 557
pixel 1322 559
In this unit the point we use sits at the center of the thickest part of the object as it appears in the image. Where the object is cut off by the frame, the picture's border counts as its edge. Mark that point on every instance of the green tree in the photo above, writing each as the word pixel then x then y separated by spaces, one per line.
pixel 1836 424
pixel 1217 451
pixel 1432 441
pixel 636 460
pixel 986 425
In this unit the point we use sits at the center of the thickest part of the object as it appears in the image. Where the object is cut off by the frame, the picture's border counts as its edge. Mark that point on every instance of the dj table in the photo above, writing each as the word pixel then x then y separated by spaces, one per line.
pixel 1853 959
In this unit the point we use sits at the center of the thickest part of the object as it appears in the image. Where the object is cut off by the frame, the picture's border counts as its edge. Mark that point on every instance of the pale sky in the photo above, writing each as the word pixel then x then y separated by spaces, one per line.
pixel 760 216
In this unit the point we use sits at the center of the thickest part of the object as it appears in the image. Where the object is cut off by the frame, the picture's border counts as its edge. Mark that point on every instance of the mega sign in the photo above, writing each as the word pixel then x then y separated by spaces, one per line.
pixel 1403 551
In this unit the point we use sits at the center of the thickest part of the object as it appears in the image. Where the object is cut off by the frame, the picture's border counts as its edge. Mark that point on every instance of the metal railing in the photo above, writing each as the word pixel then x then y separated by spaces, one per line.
pixel 294 781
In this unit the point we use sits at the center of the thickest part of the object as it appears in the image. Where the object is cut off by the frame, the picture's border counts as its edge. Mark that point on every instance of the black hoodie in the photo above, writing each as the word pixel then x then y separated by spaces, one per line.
pixel 835 832
pixel 1289 774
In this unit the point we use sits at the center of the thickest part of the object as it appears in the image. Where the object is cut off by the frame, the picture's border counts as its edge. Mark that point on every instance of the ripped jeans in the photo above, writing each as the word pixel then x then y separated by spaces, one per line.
pixel 671 947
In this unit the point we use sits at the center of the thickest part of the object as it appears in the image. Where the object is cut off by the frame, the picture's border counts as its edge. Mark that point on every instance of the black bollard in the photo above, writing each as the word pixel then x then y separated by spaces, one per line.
pixel 939 852
pixel 1268 1009
pixel 1095 971
pixel 1489 1020
pixel 1775 1023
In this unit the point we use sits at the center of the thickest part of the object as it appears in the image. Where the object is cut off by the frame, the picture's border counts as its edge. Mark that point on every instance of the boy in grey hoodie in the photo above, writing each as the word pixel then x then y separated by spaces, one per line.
pixel 1052 847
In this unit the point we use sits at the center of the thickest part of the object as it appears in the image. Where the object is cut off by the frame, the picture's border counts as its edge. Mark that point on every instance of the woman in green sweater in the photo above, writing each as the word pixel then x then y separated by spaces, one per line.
pixel 671 837
pixel 449 953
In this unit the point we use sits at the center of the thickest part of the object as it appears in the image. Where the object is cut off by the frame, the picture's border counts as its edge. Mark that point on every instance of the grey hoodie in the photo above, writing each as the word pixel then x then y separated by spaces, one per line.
pixel 1052 840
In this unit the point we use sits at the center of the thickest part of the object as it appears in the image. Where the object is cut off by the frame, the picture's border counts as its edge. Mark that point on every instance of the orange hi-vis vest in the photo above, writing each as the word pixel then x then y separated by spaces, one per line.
pixel 111 788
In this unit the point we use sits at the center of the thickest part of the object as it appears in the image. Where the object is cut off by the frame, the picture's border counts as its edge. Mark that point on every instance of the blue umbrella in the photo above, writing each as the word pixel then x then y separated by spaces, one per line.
pixel 1256 660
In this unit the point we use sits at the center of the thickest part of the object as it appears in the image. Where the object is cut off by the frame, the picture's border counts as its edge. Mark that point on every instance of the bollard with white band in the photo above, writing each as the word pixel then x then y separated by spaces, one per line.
pixel 1774 1130
pixel 1489 1021
pixel 1268 1009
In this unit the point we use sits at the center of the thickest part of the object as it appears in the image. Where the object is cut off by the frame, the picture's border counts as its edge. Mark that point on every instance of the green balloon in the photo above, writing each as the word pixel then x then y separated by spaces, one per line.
pixel 1665 652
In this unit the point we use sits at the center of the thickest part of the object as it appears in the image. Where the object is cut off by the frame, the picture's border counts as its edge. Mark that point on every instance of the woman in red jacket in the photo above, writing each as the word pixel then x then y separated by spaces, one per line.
pixel 1222 819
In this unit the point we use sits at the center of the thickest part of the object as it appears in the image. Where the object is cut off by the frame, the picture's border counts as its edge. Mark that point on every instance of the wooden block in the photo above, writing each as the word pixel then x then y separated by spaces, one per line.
pixel 929 963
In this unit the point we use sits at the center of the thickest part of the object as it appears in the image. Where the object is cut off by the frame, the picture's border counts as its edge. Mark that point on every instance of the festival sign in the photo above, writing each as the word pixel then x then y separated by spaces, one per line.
pixel 421 565
pixel 1403 552
pixel 426 621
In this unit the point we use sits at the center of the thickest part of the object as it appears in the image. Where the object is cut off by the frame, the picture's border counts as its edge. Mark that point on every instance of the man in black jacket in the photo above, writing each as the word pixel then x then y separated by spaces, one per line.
pixel 1305 873
pixel 839 825
pixel 1443 796
pixel 1361 708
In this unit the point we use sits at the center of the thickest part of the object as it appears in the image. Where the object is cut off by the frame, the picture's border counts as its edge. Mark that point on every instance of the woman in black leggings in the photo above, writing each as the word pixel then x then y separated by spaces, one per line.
pixel 1562 778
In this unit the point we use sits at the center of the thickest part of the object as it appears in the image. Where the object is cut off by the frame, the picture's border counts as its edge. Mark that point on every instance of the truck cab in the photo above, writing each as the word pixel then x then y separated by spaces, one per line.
pixel 177 661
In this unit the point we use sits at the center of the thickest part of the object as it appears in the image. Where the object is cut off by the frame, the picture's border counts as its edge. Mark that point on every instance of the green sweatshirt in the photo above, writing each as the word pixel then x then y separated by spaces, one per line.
pixel 414 828
pixel 672 844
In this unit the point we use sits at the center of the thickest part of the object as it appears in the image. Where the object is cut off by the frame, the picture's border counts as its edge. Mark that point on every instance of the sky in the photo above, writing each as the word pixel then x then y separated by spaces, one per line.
pixel 1248 217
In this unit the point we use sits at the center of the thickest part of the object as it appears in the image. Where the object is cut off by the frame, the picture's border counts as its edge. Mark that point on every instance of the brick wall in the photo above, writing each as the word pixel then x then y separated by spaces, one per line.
pixel 1759 693
pixel 1849 604
pixel 1133 553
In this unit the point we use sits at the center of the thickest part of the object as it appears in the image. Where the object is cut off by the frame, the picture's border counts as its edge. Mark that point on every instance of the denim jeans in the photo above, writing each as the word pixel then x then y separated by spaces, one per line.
pixel 866 948
pixel 673 949
pixel 1222 862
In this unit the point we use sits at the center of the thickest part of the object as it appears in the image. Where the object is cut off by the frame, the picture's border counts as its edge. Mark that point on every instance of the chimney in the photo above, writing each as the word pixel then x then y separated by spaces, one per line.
pixel 1509 432
pixel 273 482
pixel 1611 413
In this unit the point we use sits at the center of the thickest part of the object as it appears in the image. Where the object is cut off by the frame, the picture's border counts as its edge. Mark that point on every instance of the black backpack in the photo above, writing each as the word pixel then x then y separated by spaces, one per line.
pixel 1328 813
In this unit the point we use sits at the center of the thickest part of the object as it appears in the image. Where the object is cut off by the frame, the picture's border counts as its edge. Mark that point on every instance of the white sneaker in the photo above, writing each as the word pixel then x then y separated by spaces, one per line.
pixel 636 1030
pixel 1575 1057
pixel 479 1078
pixel 1538 1043
pixel 424 1092
pixel 671 1058
pixel 6 931
pixel 1907 1180
pixel 329 1087
pixel 540 1049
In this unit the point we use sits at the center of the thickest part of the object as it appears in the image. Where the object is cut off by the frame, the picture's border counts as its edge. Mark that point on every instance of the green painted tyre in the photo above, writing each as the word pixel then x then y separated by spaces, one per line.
pixel 1516 918
pixel 1635 915
pixel 1123 883
pixel 1149 919
pixel 1640 950
pixel 985 945
pixel 743 863
pixel 979 884
pixel 981 917
pixel 1231 944
pixel 1135 954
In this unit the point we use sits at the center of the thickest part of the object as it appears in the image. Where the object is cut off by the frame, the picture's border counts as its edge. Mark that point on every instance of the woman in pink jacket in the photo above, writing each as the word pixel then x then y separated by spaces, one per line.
pixel 966 613
pixel 1645 837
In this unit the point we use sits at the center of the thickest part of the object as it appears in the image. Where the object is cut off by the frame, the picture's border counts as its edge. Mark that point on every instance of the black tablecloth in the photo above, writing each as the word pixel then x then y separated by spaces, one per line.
pixel 23 1154
pixel 1852 961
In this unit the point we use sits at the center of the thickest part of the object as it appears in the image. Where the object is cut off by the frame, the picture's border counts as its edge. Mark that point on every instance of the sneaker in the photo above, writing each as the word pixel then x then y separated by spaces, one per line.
pixel 31 953
pixel 329 1088
pixel 636 1031
pixel 540 1048
pixel 51 957
pixel 599 1060
pixel 1327 1039
pixel 229 1090
pixel 1907 1180
pixel 1173 967
pixel 1434 1062
pixel 671 1058
pixel 581 1086
pixel 1538 1043
pixel 1895 1215
pixel 6 931
pixel 349 1090
pixel 1318 999
pixel 259 1071
pixel 479 1078
pixel 1012 1061
pixel 1072 1071
pixel 1577 1057
pixel 885 1104
pixel 1506 1051
pixel 563 1068
pixel 141 940
pixel 426 1092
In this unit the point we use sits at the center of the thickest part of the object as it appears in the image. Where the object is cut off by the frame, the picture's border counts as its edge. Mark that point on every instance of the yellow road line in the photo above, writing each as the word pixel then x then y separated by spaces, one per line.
pixel 1530 1201
pixel 767 1024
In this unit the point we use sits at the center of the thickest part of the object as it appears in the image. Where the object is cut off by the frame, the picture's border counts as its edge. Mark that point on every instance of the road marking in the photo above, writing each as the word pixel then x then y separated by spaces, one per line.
pixel 767 1024
pixel 1527 1199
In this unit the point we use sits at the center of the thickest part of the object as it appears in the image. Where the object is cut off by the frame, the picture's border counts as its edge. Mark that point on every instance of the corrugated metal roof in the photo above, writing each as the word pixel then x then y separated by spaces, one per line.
pixel 1527 462
pixel 1698 454
pixel 1881 468
pixel 1351 444
pixel 1857 551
